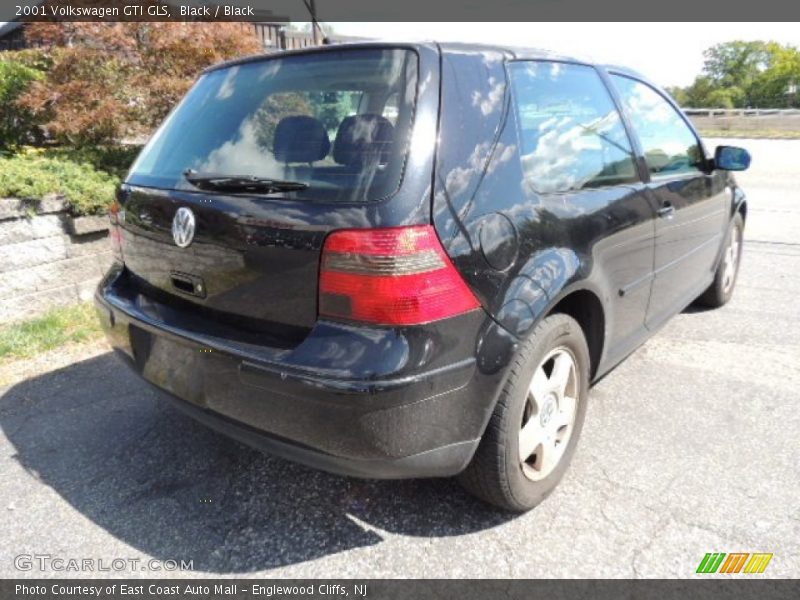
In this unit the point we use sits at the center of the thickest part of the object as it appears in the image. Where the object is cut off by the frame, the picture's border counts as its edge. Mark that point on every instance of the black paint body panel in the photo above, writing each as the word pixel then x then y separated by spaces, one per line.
pixel 367 397
pixel 607 242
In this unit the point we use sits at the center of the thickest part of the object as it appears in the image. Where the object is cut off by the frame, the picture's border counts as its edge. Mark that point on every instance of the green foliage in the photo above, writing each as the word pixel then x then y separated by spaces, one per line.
pixel 736 63
pixel 33 174
pixel 55 328
pixel 746 74
pixel 697 93
pixel 17 124
pixel 679 95
pixel 115 160
pixel 703 93
pixel 770 87
pixel 722 98
pixel 34 58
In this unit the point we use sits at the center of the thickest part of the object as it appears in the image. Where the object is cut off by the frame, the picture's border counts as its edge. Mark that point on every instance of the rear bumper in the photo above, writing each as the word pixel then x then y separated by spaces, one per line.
pixel 442 461
pixel 366 402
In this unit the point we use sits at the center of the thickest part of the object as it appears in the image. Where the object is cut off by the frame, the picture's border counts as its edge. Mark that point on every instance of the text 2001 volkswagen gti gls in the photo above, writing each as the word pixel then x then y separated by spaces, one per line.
pixel 413 260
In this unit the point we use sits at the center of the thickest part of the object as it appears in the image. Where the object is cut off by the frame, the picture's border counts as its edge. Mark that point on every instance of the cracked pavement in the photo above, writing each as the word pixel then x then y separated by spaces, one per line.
pixel 690 446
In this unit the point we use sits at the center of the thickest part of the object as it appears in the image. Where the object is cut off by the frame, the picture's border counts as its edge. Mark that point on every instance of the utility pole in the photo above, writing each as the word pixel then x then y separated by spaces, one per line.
pixel 316 31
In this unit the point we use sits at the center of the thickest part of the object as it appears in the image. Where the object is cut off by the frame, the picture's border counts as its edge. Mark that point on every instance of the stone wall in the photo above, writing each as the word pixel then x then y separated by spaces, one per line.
pixel 48 258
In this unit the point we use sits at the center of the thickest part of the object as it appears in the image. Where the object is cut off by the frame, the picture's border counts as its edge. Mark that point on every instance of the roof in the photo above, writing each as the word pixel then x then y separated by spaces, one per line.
pixel 309 50
pixel 512 52
pixel 515 52
pixel 8 27
pixel 520 53
pixel 446 47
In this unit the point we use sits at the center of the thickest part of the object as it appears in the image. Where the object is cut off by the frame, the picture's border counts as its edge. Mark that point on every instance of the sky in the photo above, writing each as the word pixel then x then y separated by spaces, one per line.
pixel 668 53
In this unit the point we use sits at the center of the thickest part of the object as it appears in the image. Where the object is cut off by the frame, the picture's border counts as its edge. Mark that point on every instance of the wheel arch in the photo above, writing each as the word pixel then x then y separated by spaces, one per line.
pixel 739 204
pixel 742 210
pixel 585 306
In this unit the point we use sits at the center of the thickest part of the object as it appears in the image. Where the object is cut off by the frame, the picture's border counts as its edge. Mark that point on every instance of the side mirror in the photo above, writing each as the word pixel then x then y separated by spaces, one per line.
pixel 731 158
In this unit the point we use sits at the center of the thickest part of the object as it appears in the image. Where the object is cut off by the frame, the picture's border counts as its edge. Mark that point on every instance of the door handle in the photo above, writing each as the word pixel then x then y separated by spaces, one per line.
pixel 666 210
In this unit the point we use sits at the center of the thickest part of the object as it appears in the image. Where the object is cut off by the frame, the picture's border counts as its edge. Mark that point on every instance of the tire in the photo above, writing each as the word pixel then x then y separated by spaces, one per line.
pixel 497 474
pixel 721 289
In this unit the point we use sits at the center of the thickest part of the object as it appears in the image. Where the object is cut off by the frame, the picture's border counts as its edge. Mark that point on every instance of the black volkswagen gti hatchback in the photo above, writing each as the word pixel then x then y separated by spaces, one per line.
pixel 413 260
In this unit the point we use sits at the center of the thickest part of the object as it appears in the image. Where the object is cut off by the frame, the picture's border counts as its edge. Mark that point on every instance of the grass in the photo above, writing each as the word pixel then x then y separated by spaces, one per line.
pixel 771 134
pixel 57 327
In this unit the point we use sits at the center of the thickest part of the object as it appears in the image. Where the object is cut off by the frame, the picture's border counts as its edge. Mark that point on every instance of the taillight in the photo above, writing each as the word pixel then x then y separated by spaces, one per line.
pixel 116 214
pixel 390 276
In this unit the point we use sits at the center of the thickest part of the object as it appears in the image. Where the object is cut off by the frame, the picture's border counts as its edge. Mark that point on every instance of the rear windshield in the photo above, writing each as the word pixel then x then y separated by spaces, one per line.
pixel 336 121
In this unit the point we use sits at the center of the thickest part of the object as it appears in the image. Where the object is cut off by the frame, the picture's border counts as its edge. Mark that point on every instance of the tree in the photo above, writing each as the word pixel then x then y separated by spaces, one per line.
pixel 173 54
pixel 736 64
pixel 110 80
pixel 773 87
pixel 722 98
pixel 745 74
pixel 679 95
pixel 17 124
pixel 697 94
pixel 84 98
pixel 704 93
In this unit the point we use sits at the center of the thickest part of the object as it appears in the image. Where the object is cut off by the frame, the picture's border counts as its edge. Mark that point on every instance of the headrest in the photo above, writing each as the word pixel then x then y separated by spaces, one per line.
pixel 300 138
pixel 363 139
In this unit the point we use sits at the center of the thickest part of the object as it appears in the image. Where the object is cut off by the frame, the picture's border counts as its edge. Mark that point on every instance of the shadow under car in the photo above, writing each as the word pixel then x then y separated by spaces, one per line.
pixel 155 479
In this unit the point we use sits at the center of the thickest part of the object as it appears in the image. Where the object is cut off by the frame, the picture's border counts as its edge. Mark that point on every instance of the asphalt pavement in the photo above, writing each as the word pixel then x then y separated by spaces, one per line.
pixel 691 446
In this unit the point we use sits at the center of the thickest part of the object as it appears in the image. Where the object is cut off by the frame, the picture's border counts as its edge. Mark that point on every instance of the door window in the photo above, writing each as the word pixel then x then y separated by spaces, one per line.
pixel 571 134
pixel 669 145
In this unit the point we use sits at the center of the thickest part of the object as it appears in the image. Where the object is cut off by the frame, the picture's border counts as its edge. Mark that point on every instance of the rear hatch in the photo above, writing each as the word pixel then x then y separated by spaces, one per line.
pixel 228 205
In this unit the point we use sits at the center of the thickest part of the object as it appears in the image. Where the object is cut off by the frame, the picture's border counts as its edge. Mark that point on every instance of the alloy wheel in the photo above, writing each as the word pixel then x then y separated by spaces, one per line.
pixel 730 261
pixel 549 415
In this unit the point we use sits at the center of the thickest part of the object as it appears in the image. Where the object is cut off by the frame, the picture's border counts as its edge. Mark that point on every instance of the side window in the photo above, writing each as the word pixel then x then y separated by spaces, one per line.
pixel 669 146
pixel 571 135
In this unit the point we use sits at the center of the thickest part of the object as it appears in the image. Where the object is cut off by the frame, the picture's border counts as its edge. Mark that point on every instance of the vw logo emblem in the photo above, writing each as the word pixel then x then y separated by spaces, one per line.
pixel 183 227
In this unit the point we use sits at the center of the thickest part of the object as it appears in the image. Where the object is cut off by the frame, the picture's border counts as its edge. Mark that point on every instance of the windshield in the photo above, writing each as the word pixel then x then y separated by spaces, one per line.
pixel 329 126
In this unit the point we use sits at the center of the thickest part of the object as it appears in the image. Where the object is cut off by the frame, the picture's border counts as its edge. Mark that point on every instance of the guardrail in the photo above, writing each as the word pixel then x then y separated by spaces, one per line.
pixel 742 112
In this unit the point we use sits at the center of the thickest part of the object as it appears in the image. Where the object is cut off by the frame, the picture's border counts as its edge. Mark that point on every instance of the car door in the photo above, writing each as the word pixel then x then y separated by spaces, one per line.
pixel 690 202
pixel 580 172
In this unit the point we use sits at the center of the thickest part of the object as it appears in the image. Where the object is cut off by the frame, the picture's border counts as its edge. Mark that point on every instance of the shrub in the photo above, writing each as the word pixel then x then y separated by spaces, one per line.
pixel 33 174
pixel 35 58
pixel 18 124
pixel 115 160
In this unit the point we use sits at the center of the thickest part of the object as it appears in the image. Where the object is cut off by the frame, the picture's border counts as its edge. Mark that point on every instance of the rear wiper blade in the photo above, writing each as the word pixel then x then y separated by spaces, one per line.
pixel 241 183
